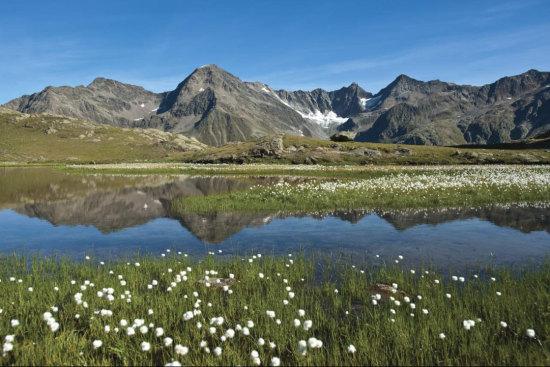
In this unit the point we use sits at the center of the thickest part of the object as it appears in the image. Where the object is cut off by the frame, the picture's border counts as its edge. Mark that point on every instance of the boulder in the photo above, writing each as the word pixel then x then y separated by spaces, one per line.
pixel 343 136
pixel 362 152
pixel 404 151
pixel 217 282
pixel 271 145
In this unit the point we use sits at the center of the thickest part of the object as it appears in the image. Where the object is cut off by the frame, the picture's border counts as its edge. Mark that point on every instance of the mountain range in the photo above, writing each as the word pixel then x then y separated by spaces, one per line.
pixel 217 108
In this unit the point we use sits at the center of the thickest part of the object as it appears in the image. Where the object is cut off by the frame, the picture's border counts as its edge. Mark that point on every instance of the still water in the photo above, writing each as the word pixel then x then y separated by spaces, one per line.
pixel 51 212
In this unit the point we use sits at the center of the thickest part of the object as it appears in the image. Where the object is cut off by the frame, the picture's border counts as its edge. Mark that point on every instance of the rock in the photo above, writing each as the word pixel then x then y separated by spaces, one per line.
pixel 343 136
pixel 217 282
pixel 458 153
pixel 271 145
pixel 96 140
pixel 50 130
pixel 471 155
pixel 81 136
pixel 336 145
pixel 485 156
pixel 385 291
pixel 291 148
pixel 528 158
pixel 362 151
pixel 404 151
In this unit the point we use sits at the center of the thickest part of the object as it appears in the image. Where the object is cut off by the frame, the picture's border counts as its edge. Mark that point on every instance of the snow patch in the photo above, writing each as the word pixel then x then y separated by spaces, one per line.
pixel 325 120
pixel 264 89
pixel 138 119
pixel 155 110
pixel 201 90
pixel 509 98
pixel 370 103
pixel 142 105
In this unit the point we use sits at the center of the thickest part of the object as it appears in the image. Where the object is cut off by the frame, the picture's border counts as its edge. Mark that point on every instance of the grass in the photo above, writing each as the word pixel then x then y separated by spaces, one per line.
pixel 338 319
pixel 26 141
pixel 395 189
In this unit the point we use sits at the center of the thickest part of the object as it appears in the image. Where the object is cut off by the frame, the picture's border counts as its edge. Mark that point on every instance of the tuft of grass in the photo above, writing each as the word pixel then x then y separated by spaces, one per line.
pixel 339 319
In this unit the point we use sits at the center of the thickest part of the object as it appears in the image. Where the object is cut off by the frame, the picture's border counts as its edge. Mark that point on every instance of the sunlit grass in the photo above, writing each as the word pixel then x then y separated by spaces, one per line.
pixel 335 295
pixel 395 190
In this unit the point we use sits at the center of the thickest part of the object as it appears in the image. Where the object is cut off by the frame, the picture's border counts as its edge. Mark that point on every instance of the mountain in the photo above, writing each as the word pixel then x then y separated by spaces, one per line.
pixel 409 111
pixel 104 101
pixel 216 108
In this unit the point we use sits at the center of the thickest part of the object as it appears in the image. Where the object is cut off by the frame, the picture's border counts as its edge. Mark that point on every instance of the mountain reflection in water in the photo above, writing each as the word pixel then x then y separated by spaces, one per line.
pixel 121 213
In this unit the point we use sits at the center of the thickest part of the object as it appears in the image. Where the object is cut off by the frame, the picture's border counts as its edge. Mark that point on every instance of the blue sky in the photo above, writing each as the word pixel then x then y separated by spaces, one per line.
pixel 287 44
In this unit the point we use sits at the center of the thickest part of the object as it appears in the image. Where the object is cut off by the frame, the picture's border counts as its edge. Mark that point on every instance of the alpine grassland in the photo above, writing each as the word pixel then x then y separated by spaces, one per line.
pixel 297 309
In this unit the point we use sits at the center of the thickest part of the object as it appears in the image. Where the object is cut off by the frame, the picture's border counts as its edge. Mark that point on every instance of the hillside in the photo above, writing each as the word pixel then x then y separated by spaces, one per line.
pixel 288 149
pixel 49 138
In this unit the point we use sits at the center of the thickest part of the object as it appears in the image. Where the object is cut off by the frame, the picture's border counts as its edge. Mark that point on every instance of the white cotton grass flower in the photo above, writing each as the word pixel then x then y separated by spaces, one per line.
pixel 250 324
pixel 442 336
pixel 168 341
pixel 275 361
pixel 143 329
pixel 260 342
pixel 229 333
pixel 307 325
pixel 503 324
pixel 46 316
pixel 301 313
pixel 145 346
pixel 159 332
pixel 14 323
pixel 7 347
pixel 97 344
pixel 54 327
pixel 217 351
pixel 181 350
pixel 302 347
pixel 351 349
pixel 530 333
pixel 131 331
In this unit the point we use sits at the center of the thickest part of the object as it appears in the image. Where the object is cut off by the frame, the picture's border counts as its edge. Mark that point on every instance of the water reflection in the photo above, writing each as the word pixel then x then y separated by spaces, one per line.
pixel 43 209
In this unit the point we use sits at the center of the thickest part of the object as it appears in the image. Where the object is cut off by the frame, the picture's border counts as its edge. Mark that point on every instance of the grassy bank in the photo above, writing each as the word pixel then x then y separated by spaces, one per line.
pixel 337 305
pixel 396 189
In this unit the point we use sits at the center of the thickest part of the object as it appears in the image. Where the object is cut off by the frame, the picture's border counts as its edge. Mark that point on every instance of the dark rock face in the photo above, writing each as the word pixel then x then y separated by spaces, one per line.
pixel 216 107
pixel 437 113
